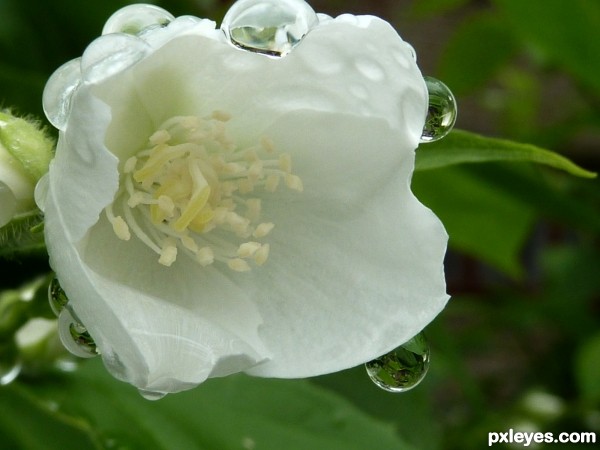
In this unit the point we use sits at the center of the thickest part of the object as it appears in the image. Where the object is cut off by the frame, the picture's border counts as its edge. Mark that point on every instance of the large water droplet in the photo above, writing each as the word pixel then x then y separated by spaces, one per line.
pixel 10 364
pixel 56 99
pixel 272 27
pixel 111 54
pixel 441 113
pixel 56 297
pixel 75 336
pixel 137 18
pixel 151 395
pixel 403 368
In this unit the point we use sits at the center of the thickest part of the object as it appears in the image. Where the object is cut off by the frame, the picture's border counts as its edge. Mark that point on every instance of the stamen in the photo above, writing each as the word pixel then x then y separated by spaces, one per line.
pixel 260 257
pixel 263 229
pixel 192 179
pixel 239 265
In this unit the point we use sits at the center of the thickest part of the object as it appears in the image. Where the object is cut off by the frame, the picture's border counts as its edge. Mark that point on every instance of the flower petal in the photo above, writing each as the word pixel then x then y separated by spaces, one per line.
pixel 361 273
pixel 156 322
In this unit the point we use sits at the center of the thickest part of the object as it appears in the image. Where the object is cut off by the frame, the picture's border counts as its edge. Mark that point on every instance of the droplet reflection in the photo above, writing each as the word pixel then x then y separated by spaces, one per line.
pixel 137 18
pixel 74 336
pixel 110 54
pixel 441 113
pixel 403 368
pixel 151 395
pixel 56 99
pixel 271 27
pixel 57 297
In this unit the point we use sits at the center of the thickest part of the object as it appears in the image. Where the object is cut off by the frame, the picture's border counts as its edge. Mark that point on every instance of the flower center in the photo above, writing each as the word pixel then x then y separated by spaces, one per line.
pixel 192 190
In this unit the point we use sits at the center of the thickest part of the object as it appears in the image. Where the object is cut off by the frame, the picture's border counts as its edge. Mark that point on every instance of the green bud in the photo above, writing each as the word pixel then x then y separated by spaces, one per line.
pixel 25 154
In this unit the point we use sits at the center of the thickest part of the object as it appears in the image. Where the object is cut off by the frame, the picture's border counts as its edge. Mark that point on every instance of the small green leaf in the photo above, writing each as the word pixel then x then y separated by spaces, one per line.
pixel 461 147
pixel 237 412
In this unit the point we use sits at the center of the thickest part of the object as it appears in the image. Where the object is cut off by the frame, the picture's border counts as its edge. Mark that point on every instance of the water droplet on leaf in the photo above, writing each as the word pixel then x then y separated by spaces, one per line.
pixel 111 54
pixel 151 395
pixel 56 296
pixel 403 368
pixel 10 364
pixel 56 99
pixel 272 27
pixel 441 113
pixel 75 336
pixel 137 18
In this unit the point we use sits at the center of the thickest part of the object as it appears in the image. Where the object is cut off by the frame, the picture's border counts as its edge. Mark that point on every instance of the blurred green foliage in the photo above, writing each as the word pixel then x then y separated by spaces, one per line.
pixel 517 347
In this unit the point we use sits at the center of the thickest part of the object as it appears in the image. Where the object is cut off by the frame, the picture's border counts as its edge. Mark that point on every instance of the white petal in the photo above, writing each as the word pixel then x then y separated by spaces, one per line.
pixel 362 271
pixel 168 328
pixel 83 175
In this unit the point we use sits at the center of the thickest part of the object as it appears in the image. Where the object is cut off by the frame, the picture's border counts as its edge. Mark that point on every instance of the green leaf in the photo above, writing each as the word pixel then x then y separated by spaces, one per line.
pixel 461 147
pixel 566 33
pixel 482 221
pixel 477 50
pixel 28 424
pixel 236 412
pixel 587 369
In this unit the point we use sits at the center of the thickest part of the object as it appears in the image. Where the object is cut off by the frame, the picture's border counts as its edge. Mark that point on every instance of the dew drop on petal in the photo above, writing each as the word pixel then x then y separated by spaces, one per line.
pixel 151 395
pixel 56 99
pixel 441 113
pixel 403 368
pixel 134 19
pixel 111 54
pixel 271 27
pixel 56 297
pixel 10 364
pixel 40 192
pixel 75 336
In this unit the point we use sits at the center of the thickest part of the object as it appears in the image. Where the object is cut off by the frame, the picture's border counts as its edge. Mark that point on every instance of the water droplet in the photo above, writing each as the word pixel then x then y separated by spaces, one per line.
pixel 75 336
pixel 10 364
pixel 403 368
pixel 41 192
pixel 111 54
pixel 441 114
pixel 56 296
pixel 151 395
pixel 56 99
pixel 271 27
pixel 137 18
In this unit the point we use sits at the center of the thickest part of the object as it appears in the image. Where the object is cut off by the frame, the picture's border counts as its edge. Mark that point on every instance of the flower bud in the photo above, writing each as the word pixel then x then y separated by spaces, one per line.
pixel 25 153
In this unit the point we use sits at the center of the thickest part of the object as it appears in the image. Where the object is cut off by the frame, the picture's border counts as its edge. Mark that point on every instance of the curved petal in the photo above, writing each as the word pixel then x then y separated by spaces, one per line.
pixel 83 174
pixel 362 271
pixel 155 322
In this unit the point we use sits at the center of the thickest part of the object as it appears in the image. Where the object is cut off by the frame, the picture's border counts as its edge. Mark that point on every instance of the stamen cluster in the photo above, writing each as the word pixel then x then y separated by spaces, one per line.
pixel 192 180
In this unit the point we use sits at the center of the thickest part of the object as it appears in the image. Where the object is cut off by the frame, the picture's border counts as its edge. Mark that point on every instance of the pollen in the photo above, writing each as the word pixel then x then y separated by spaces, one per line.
pixel 192 192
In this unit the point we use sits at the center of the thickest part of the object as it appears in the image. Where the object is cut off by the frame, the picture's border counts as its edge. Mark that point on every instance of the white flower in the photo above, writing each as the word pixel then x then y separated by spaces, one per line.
pixel 213 210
